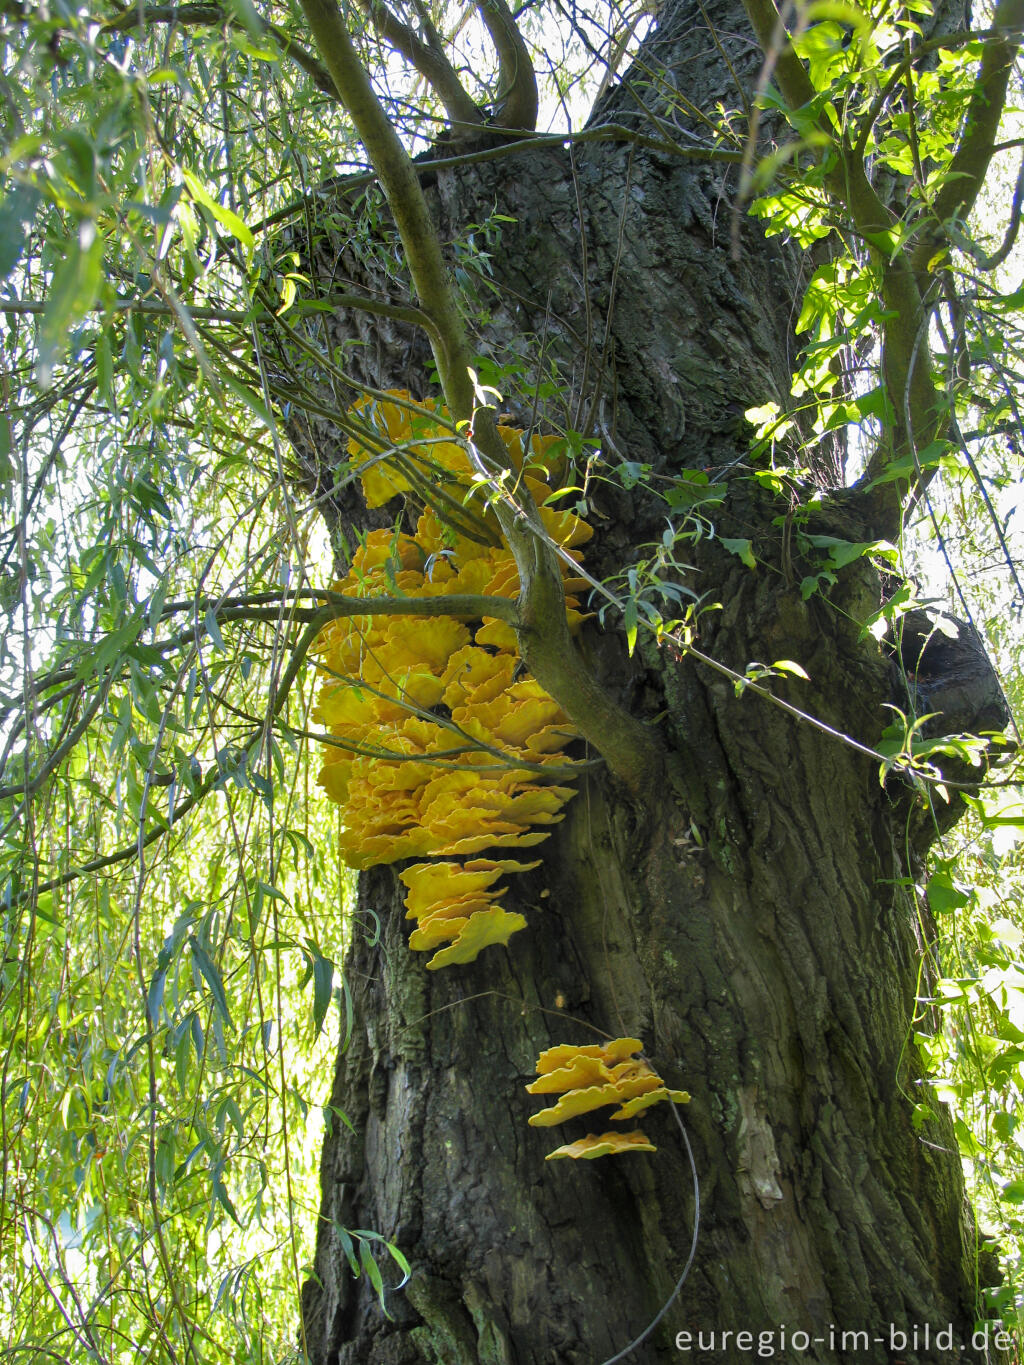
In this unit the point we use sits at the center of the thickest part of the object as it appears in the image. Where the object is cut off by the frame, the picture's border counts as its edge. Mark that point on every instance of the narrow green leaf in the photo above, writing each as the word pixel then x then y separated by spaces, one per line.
pixel 790 666
pixel 373 1275
pixel 323 988
pixel 208 970
pixel 155 995
pixel 228 219
pixel 213 630
pixel 76 283
pixel 17 212
pixel 630 619
pixel 348 1246
pixel 221 1195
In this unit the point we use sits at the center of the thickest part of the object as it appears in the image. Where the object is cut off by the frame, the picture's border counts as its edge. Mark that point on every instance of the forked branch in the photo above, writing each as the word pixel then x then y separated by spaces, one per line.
pixel 517 95
pixel 428 57
pixel 918 408
pixel 970 163
pixel 547 647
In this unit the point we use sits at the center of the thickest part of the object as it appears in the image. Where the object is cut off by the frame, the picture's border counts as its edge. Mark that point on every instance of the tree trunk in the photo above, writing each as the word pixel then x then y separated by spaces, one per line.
pixel 757 925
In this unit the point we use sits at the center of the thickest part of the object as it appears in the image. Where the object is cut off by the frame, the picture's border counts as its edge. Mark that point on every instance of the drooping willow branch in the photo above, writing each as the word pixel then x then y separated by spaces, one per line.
pixel 314 619
pixel 905 286
pixel 212 15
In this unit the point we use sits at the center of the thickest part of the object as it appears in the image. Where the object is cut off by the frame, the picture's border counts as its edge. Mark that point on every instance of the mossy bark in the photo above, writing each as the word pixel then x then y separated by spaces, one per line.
pixel 754 920
pixel 769 958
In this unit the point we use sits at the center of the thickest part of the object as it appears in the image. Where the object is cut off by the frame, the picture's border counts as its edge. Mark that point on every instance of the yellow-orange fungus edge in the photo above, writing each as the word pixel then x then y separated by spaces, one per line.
pixel 594 1075
pixel 608 1144
pixel 485 927
pixel 433 716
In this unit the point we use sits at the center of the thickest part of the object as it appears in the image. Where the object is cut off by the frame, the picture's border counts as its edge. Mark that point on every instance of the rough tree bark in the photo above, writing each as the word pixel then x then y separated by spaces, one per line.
pixel 756 924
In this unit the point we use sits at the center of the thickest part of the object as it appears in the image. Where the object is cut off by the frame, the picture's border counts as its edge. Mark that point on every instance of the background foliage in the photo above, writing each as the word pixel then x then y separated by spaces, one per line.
pixel 174 909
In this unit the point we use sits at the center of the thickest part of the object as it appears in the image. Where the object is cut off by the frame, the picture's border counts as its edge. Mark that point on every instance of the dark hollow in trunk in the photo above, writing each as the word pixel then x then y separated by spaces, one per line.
pixel 756 924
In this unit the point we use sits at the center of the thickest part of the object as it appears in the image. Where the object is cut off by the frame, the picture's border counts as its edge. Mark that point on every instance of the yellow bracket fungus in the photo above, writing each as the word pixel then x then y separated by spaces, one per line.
pixel 438 743
pixel 591 1077
pixel 608 1144
pixel 431 724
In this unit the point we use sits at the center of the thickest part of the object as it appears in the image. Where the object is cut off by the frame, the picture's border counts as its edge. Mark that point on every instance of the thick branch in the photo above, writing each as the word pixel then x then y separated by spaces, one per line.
pixel 429 60
pixel 273 608
pixel 198 13
pixel 848 182
pixel 993 262
pixel 970 162
pixel 405 197
pixel 601 132
pixel 906 357
pixel 517 100
pixel 774 41
pixel 628 747
pixel 470 605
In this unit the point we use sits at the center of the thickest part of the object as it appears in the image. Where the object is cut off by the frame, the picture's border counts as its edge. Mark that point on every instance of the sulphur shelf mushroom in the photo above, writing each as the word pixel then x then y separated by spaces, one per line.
pixel 428 719
pixel 608 1144
pixel 591 1077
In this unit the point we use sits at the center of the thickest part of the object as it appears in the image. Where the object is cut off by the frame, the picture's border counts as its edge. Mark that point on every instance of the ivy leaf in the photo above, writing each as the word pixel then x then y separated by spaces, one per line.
pixel 943 896
pixel 843 552
pixel 742 549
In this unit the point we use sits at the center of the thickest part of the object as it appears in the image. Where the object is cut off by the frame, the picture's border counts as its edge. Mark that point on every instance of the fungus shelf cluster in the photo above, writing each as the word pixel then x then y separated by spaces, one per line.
pixel 592 1077
pixel 439 745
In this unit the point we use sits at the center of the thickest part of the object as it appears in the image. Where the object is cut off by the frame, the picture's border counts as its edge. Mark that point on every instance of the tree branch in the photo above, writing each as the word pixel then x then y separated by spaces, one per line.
pixel 27 307
pixel 315 618
pixel 210 14
pixel 600 132
pixel 906 357
pixel 981 258
pixel 970 162
pixel 774 41
pixel 629 747
pixel 429 60
pixel 517 98
pixel 405 197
